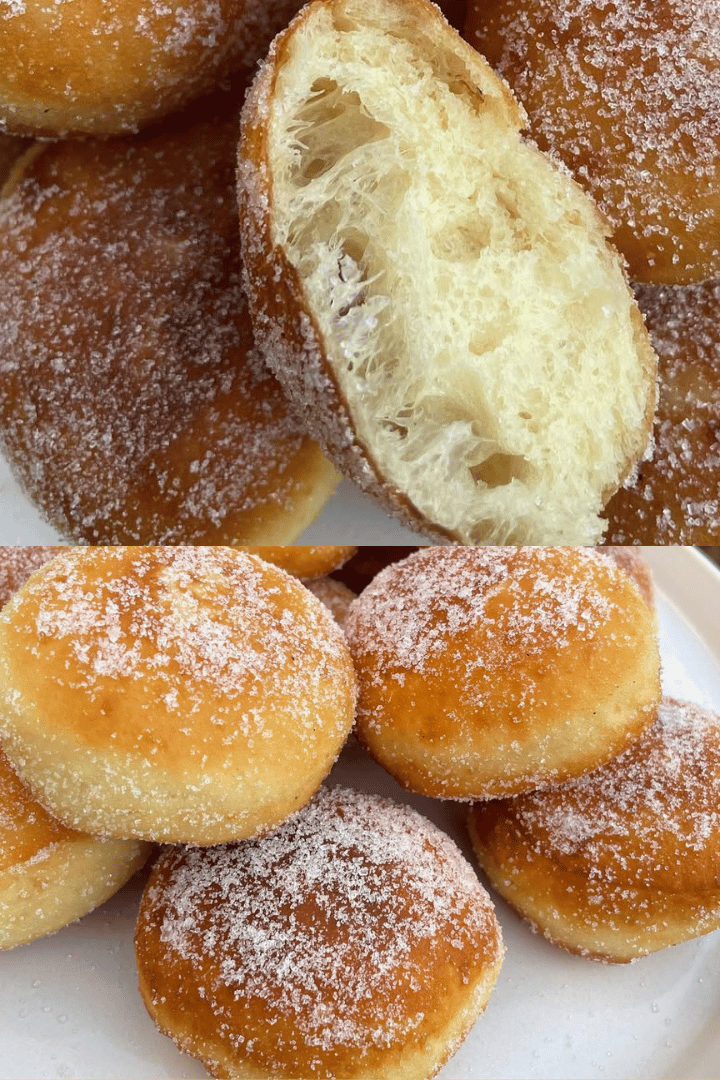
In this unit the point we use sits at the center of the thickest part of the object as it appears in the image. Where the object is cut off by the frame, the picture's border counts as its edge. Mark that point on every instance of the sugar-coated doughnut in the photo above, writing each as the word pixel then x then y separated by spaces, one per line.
pixel 627 94
pixel 485 672
pixel 624 860
pixel 18 562
pixel 336 597
pixel 133 405
pixel 354 941
pixel 632 563
pixel 110 67
pixel 438 298
pixel 675 497
pixel 50 875
pixel 183 694
pixel 303 561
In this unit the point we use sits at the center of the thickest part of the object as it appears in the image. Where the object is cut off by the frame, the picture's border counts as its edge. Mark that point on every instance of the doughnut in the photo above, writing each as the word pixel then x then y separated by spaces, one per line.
pixel 631 561
pixel 110 68
pixel 133 405
pixel 305 562
pixel 486 672
pixel 179 694
pixel 17 563
pixel 354 941
pixel 438 298
pixel 336 597
pixel 675 497
pixel 624 860
pixel 50 875
pixel 627 94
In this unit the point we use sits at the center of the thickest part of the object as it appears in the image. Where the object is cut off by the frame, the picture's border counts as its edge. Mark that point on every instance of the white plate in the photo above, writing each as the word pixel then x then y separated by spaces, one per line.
pixel 69 1007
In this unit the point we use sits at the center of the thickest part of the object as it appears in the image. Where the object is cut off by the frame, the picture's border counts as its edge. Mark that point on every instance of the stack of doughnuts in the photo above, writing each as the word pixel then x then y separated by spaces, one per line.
pixel 596 822
pixel 135 405
pixel 198 696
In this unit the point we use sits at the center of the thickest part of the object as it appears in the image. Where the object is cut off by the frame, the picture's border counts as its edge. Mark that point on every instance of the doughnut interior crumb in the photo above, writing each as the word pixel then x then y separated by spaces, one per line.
pixel 494 366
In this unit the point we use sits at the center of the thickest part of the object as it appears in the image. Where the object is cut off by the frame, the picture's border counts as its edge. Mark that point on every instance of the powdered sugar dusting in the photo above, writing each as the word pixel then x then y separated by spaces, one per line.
pixel 413 609
pixel 675 498
pixel 661 795
pixel 334 922
pixel 627 92
pixel 133 405
pixel 197 620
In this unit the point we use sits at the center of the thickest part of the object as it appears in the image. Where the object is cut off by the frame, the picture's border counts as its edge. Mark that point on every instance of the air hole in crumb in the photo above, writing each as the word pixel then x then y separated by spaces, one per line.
pixel 395 429
pixel 462 240
pixel 329 126
pixel 499 470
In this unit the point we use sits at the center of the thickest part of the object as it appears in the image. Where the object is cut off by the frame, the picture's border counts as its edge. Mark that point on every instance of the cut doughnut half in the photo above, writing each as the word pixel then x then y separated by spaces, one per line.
pixel 438 297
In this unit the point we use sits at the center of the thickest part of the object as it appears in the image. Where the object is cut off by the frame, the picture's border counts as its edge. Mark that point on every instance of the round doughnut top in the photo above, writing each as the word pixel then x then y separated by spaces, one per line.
pixel 327 939
pixel 675 498
pixel 627 93
pixel 189 650
pixel 649 818
pixel 111 66
pixel 513 604
pixel 133 405
pixel 17 563
pixel 26 829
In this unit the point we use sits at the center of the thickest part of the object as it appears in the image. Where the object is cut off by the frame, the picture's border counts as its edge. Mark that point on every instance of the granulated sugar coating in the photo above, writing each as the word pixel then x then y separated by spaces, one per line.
pixel 627 94
pixel 111 66
pixel 51 875
pixel 185 694
pixel 675 498
pixel 17 563
pixel 490 671
pixel 353 941
pixel 133 406
pixel 626 859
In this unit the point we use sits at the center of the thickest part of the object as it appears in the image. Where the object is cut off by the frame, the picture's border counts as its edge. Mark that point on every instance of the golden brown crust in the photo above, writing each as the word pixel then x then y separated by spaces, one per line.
pixel 625 860
pixel 192 695
pixel 353 942
pixel 303 561
pixel 632 563
pixel 83 69
pixel 675 497
pixel 486 672
pixel 51 875
pixel 138 411
pixel 627 94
